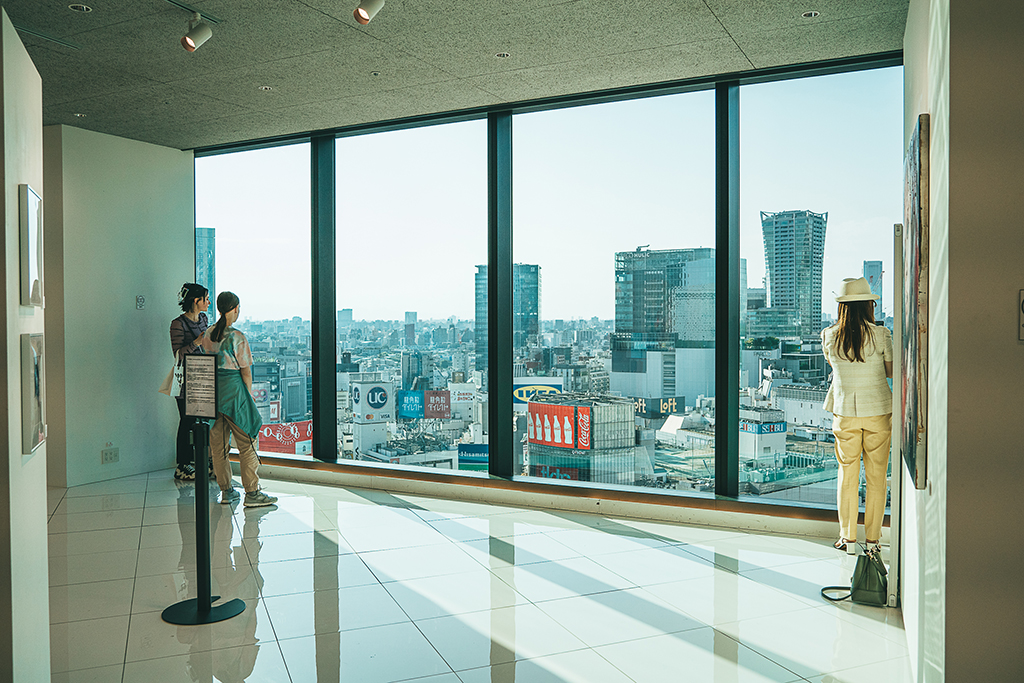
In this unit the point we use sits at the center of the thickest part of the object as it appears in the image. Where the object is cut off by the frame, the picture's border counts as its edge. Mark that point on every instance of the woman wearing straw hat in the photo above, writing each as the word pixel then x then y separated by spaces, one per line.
pixel 860 400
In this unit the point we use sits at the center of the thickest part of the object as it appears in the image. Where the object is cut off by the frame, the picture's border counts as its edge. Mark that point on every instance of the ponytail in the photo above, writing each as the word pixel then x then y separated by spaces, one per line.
pixel 226 301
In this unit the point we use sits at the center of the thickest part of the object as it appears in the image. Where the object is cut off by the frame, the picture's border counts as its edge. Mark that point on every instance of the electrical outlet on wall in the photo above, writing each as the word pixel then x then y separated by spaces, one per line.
pixel 109 455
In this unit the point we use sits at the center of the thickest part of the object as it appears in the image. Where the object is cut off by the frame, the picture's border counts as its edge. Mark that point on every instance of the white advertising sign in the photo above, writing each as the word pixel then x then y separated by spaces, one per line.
pixel 373 402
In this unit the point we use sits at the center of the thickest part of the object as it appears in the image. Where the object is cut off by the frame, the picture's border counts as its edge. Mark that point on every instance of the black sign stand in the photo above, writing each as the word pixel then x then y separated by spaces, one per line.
pixel 201 403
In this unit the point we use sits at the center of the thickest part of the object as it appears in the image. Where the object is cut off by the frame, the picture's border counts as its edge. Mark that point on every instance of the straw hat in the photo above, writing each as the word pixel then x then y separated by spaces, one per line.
pixel 855 289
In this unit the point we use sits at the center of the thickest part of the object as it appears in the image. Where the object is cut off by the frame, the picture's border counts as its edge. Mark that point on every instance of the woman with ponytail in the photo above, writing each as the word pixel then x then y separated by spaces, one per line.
pixel 187 332
pixel 236 409
pixel 860 400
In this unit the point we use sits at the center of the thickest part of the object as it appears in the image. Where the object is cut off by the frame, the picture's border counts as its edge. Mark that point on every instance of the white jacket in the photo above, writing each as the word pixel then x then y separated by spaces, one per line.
pixel 859 389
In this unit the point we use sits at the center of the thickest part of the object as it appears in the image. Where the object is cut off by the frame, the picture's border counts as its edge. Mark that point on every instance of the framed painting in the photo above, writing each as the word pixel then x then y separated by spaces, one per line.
pixel 33 393
pixel 30 211
pixel 914 351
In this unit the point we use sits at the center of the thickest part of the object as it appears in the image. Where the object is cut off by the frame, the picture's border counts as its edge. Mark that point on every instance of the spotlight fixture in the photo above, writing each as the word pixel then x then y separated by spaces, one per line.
pixel 198 33
pixel 810 15
pixel 84 9
pixel 367 10
pixel 503 55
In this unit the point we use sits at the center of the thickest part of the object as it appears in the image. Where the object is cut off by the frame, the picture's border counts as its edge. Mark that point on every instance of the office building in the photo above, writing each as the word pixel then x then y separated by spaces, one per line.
pixel 873 274
pixel 525 309
pixel 794 249
pixel 109 135
pixel 206 266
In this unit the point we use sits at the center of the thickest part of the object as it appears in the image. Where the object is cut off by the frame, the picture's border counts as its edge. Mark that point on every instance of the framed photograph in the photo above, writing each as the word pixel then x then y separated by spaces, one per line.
pixel 33 393
pixel 30 211
pixel 914 346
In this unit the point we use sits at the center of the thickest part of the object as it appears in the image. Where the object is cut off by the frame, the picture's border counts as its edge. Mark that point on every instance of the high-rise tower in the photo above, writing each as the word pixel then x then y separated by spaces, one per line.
pixel 873 274
pixel 206 264
pixel 794 248
pixel 525 309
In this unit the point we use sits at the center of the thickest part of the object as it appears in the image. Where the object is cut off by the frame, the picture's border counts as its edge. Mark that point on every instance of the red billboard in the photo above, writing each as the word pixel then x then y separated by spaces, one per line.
pixel 583 427
pixel 551 425
pixel 283 437
pixel 437 405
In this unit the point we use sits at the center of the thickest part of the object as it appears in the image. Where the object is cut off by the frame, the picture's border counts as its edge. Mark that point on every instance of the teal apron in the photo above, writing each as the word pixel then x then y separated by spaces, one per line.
pixel 236 403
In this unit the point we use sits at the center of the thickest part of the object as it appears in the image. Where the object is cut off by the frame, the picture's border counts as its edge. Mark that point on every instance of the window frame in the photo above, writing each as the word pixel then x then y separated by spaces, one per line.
pixel 499 263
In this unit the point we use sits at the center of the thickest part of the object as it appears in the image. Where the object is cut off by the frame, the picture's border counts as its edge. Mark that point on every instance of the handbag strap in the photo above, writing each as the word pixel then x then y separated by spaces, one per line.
pixel 840 598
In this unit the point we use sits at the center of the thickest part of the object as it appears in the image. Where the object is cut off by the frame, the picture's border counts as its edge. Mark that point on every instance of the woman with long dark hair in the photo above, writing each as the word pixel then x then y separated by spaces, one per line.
pixel 187 332
pixel 860 400
pixel 236 409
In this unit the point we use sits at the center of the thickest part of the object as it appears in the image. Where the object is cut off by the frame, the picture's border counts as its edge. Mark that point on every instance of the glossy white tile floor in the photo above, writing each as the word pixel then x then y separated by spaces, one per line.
pixel 364 586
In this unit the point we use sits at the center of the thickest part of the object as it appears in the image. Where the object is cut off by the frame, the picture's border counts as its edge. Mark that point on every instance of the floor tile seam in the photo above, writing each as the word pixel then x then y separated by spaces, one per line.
pixel 770 655
pixel 785 593
pixel 80 531
pixel 202 650
pixel 864 664
pixel 900 627
pixel 865 629
pixel 698 624
pixel 131 604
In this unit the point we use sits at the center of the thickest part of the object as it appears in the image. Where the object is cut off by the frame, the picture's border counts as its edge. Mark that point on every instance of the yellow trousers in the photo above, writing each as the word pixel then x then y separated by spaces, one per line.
pixel 247 459
pixel 870 436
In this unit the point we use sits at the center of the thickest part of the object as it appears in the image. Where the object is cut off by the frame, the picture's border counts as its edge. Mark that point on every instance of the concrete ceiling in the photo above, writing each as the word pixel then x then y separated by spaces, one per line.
pixel 130 77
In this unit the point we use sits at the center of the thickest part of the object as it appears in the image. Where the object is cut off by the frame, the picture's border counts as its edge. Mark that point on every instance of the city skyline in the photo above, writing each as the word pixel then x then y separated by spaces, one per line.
pixel 827 144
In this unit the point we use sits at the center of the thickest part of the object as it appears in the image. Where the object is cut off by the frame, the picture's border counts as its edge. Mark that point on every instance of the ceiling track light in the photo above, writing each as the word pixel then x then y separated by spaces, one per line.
pixel 367 10
pixel 198 33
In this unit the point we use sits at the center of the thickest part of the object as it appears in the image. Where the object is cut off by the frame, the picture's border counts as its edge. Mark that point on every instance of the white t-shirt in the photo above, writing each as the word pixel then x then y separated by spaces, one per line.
pixel 859 389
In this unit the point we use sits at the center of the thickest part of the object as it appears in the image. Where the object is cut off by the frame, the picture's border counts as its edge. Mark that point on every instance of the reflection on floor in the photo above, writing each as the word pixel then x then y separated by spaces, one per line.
pixel 363 586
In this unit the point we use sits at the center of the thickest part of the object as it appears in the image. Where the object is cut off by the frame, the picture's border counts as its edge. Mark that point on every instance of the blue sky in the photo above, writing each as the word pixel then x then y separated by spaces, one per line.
pixel 587 182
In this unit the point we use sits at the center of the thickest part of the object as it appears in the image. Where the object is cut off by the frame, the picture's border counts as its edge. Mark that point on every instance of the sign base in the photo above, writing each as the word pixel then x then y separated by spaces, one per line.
pixel 187 612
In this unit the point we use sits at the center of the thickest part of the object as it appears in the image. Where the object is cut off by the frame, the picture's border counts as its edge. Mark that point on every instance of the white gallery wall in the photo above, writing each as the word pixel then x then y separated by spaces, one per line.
pixel 123 227
pixel 962 598
pixel 24 594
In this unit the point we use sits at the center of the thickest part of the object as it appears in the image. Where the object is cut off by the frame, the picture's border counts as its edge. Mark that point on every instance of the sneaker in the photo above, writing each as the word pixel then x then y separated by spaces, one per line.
pixel 185 473
pixel 228 496
pixel 257 498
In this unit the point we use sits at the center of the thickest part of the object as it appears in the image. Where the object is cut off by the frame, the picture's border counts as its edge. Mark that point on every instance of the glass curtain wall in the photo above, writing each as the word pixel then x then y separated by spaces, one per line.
pixel 820 189
pixel 412 297
pixel 614 293
pixel 253 238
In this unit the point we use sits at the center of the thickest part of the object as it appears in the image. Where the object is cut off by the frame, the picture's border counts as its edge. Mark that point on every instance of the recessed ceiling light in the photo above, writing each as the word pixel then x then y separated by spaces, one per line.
pixel 503 55
pixel 809 15
pixel 375 73
pixel 84 9
pixel 265 88
pixel 80 115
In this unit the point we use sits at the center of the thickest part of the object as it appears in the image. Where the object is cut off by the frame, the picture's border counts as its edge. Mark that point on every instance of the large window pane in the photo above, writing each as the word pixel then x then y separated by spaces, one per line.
pixel 614 292
pixel 412 249
pixel 821 187
pixel 253 238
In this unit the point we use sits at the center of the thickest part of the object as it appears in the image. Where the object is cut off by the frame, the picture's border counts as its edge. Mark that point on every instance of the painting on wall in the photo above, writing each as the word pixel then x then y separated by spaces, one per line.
pixel 914 351
pixel 33 393
pixel 30 212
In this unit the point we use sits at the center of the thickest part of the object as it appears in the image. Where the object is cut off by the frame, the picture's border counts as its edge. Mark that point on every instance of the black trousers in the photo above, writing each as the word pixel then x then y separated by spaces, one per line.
pixel 185 452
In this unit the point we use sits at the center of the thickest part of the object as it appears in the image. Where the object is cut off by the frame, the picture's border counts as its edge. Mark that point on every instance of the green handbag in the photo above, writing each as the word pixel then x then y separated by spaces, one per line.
pixel 870 586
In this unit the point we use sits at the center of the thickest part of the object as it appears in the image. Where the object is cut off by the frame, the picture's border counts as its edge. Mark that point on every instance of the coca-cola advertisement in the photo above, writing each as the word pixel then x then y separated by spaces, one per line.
pixel 583 427
pixel 551 425
pixel 286 437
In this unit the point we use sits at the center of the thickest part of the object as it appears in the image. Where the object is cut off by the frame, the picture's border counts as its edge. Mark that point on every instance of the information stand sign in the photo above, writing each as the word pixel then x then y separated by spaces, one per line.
pixel 201 403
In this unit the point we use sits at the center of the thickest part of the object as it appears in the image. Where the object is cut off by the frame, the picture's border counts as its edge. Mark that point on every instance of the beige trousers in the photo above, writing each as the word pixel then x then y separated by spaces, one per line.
pixel 247 458
pixel 870 436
